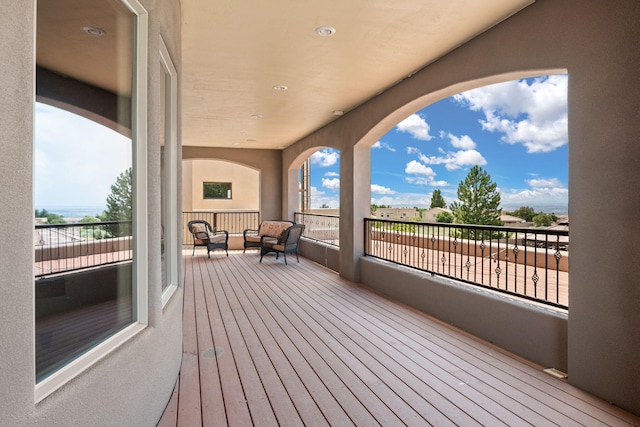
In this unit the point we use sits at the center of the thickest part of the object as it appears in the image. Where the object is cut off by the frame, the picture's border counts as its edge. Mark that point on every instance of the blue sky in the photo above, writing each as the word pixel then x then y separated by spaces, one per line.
pixel 517 131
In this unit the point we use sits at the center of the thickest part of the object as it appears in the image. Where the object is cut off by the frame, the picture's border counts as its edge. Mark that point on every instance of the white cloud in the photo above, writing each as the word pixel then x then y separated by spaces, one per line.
pixel 456 160
pixel 532 115
pixel 315 192
pixel 416 126
pixel 545 183
pixel 426 175
pixel 379 189
pixel 325 158
pixel 318 198
pixel 412 150
pixel 332 174
pixel 76 160
pixel 463 142
pixel 420 180
pixel 415 167
pixel 331 183
pixel 549 191
pixel 380 144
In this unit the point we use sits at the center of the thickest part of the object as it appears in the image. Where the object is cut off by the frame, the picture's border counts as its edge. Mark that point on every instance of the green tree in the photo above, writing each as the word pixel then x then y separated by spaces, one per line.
pixel 444 217
pixel 543 220
pixel 89 218
pixel 119 201
pixel 52 218
pixel 479 200
pixel 119 204
pixel 437 201
pixel 91 231
pixel 525 212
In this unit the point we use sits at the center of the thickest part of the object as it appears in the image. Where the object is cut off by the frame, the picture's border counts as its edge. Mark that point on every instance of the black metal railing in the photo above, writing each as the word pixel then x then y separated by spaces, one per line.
pixel 524 262
pixel 235 222
pixel 67 247
pixel 323 228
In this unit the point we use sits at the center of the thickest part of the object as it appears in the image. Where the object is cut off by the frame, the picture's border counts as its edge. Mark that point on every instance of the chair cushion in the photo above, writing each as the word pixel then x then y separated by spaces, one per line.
pixel 217 238
pixel 273 228
pixel 198 228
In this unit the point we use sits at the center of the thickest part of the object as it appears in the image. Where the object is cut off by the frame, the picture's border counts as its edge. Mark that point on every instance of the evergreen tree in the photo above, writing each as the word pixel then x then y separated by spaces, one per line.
pixel 445 217
pixel 119 204
pixel 525 212
pixel 437 201
pixel 543 220
pixel 52 218
pixel 479 199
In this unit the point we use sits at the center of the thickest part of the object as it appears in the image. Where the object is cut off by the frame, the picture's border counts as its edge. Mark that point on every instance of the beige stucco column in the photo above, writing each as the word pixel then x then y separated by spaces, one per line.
pixel 355 205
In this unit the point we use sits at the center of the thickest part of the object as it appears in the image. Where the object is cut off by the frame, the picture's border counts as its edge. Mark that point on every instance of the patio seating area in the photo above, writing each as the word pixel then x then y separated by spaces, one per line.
pixel 269 345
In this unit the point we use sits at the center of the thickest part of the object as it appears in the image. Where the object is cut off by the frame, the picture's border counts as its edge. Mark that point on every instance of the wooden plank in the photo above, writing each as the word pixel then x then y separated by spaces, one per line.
pixel 280 382
pixel 213 409
pixel 243 398
pixel 443 379
pixel 170 416
pixel 337 375
pixel 189 404
pixel 413 400
pixel 277 338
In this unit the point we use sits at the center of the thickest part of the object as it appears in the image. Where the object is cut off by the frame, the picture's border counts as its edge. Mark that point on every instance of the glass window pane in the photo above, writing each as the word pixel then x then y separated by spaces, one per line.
pixel 163 178
pixel 84 179
pixel 216 190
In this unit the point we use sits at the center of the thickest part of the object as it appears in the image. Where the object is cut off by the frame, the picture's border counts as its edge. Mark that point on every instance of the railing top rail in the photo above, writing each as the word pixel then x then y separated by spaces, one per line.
pixel 223 211
pixel 315 214
pixel 520 230
pixel 81 224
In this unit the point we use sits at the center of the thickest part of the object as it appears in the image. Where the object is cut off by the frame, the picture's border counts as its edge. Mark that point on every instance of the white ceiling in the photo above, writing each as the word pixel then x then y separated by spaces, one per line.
pixel 236 51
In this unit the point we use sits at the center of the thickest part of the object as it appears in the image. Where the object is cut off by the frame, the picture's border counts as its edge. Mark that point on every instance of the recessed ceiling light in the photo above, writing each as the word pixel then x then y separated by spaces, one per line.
pixel 338 112
pixel 256 116
pixel 251 140
pixel 325 31
pixel 280 87
pixel 94 31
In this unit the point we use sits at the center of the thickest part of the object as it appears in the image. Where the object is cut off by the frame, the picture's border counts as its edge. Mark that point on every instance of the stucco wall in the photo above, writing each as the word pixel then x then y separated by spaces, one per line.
pixel 322 253
pixel 131 384
pixel 245 184
pixel 268 163
pixel 530 331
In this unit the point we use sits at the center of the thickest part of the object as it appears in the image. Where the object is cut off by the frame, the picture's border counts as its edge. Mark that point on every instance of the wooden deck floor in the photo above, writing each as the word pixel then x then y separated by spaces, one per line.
pixel 268 344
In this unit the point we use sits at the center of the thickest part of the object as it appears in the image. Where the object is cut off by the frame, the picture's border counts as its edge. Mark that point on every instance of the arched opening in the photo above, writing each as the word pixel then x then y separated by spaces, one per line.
pixel 225 194
pixel 517 130
pixel 492 156
pixel 317 182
